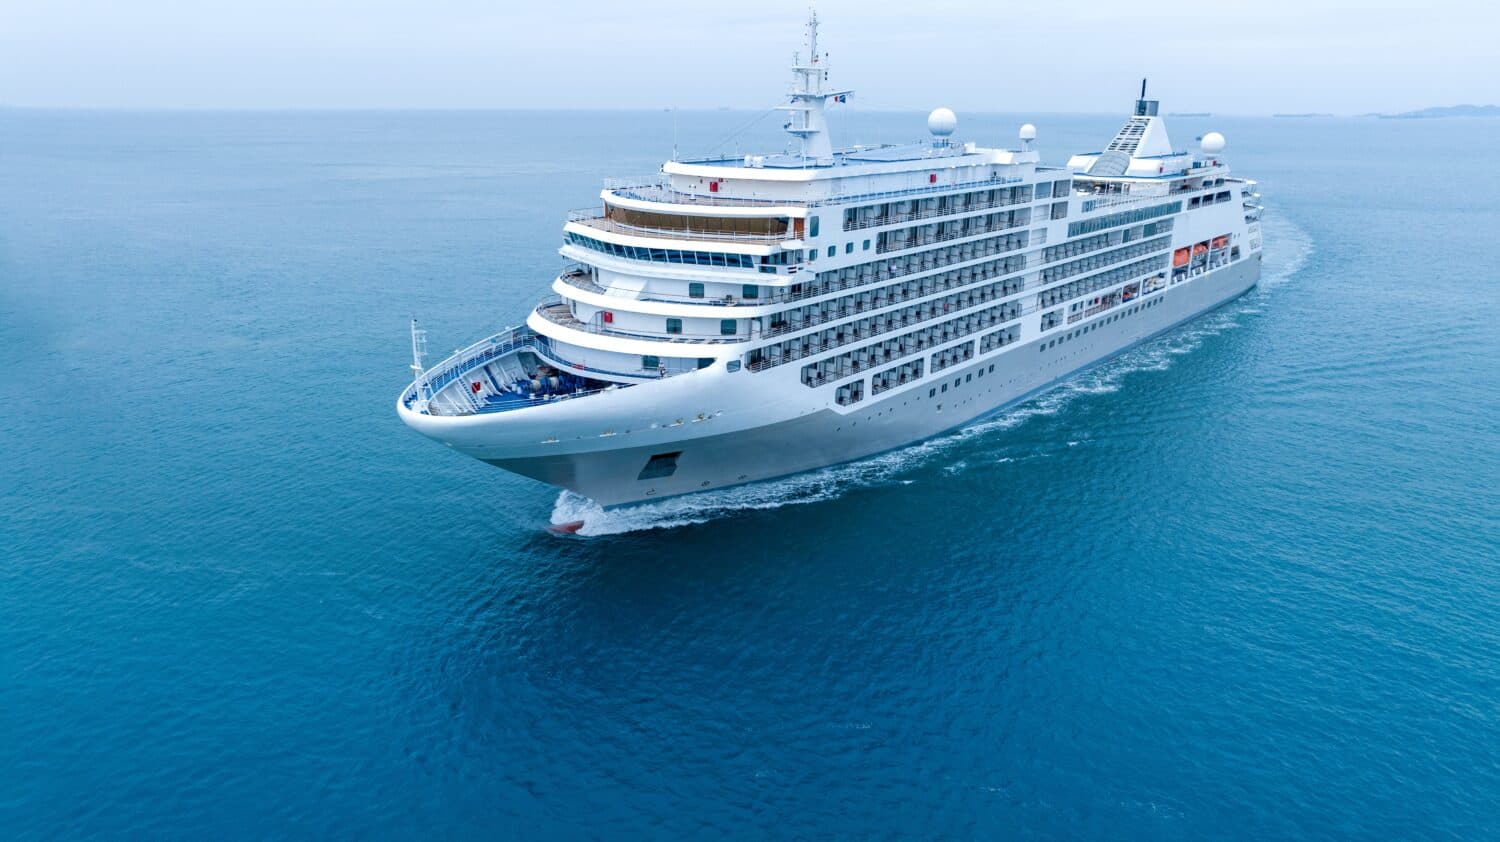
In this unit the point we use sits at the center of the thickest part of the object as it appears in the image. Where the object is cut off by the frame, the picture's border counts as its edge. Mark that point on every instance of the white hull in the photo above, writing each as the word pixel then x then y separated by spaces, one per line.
pixel 612 476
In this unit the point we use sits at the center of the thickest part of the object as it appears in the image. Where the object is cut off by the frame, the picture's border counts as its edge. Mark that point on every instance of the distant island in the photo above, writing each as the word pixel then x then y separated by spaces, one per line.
pixel 1301 116
pixel 1446 111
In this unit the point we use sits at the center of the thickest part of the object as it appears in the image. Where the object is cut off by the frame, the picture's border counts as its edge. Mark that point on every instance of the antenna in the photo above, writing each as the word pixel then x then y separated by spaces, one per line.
pixel 1145 107
pixel 809 97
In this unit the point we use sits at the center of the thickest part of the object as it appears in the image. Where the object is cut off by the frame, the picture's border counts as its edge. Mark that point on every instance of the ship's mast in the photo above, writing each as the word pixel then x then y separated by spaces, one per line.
pixel 809 123
pixel 418 351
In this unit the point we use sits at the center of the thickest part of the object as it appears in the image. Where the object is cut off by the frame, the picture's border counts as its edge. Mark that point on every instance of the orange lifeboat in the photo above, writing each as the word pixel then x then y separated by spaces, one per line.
pixel 1200 248
pixel 1220 242
pixel 1180 257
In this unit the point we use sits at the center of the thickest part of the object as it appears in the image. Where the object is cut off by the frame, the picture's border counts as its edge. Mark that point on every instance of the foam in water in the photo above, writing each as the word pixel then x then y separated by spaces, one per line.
pixel 1291 249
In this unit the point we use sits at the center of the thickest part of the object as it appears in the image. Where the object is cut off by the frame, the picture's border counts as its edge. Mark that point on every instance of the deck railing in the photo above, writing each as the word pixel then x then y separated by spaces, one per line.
pixel 660 190
pixel 462 362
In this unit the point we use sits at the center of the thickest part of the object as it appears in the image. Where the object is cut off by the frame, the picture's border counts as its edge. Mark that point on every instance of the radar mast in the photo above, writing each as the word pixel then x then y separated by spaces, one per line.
pixel 809 123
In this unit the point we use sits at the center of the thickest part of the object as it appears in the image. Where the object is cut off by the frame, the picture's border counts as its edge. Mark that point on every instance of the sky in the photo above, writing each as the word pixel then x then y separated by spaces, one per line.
pixel 1016 55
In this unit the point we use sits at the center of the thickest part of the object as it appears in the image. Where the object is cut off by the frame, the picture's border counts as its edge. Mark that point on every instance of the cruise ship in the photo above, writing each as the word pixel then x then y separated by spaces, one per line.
pixel 737 319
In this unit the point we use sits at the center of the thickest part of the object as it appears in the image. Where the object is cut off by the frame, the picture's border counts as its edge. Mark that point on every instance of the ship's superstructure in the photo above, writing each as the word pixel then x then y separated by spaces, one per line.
pixel 738 319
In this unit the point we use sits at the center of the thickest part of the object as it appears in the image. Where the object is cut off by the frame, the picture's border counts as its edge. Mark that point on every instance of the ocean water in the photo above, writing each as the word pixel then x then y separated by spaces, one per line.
pixel 1241 582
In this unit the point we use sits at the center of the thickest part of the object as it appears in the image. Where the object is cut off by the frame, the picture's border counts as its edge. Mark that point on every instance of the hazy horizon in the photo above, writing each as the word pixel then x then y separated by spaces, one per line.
pixel 1087 58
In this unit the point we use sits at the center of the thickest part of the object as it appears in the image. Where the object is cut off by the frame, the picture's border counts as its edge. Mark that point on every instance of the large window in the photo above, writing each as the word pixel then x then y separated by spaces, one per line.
pixel 697 258
pixel 1089 226
pixel 812 227
pixel 751 291
pixel 728 327
pixel 650 363
pixel 674 325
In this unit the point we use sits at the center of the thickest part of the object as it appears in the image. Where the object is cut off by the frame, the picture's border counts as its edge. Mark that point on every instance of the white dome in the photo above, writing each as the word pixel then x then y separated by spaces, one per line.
pixel 1028 132
pixel 1212 143
pixel 942 121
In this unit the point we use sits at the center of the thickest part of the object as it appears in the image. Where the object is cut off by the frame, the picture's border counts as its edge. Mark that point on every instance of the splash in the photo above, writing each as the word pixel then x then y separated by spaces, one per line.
pixel 1290 250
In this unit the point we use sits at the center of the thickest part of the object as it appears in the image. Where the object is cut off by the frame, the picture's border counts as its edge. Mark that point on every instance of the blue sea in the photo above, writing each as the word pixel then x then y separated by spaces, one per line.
pixel 1241 582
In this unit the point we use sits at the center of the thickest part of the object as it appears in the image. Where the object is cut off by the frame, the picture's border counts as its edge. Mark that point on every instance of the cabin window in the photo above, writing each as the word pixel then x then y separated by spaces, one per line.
pixel 695 290
pixel 867 245
pixel 812 227
pixel 732 365
pixel 848 248
pixel 674 325
pixel 705 362
pixel 750 291
pixel 651 363
pixel 728 327
pixel 832 250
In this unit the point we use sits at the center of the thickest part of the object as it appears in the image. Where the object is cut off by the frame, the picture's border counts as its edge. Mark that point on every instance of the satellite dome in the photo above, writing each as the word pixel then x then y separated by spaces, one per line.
pixel 1028 132
pixel 941 122
pixel 1212 143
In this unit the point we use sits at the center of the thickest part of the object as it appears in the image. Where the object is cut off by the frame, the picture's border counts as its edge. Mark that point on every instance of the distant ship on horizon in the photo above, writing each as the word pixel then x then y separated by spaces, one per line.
pixel 735 319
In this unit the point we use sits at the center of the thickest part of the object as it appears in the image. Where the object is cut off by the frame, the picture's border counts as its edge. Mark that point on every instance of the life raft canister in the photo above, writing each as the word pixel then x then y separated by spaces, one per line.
pixel 476 386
